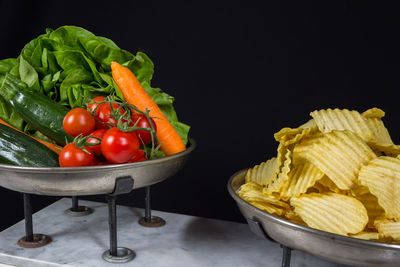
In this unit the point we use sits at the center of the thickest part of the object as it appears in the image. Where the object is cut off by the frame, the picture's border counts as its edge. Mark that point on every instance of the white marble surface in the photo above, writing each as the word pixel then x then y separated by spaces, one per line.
pixel 183 241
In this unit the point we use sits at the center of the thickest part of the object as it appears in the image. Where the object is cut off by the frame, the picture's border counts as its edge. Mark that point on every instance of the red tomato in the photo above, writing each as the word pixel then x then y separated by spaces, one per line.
pixel 104 115
pixel 140 156
pixel 143 123
pixel 97 148
pixel 72 156
pixel 78 121
pixel 118 146
pixel 92 106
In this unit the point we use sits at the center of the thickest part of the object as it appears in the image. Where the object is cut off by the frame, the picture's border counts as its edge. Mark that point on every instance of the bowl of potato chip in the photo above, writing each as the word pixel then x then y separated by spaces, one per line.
pixel 332 190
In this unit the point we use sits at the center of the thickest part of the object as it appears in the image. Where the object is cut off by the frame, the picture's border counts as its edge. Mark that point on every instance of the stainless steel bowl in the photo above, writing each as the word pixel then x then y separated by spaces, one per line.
pixel 93 180
pixel 333 247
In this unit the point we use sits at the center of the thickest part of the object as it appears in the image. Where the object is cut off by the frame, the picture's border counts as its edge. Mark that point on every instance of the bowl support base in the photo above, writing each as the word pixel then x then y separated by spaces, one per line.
pixel 31 240
pixel 77 210
pixel 115 254
pixel 148 220
pixel 257 229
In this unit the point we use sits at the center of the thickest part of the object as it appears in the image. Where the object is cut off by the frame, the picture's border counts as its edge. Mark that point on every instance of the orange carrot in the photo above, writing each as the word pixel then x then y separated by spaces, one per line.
pixel 53 147
pixel 135 94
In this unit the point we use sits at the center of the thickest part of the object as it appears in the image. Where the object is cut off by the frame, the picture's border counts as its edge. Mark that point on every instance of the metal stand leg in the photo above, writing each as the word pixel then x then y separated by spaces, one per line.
pixel 117 254
pixel 287 253
pixel 148 220
pixel 77 210
pixel 31 240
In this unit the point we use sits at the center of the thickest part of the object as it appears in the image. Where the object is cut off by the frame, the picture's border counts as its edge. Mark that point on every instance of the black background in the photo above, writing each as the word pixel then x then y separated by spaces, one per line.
pixel 239 72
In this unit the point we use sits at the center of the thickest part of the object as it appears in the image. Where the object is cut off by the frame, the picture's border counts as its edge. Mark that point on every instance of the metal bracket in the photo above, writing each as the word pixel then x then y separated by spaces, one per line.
pixel 257 229
pixel 123 185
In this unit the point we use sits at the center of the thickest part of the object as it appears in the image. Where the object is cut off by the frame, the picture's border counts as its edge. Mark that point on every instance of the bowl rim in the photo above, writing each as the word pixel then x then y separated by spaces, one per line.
pixel 59 170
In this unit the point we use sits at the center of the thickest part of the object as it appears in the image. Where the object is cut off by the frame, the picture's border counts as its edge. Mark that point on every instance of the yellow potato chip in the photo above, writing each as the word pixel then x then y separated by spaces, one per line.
pixel 268 208
pixel 258 196
pixel 287 132
pixel 250 186
pixel 387 149
pixel 382 177
pixel 379 131
pixel 388 228
pixel 374 113
pixel 309 124
pixel 342 119
pixel 301 177
pixel 368 235
pixel 331 212
pixel 330 185
pixel 284 163
pixel 370 203
pixel 263 173
pixel 289 136
pixel 338 154
pixel 292 216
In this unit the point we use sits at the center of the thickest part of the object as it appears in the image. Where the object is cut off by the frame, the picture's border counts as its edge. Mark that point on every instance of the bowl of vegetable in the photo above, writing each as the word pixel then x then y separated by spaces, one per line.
pixel 77 112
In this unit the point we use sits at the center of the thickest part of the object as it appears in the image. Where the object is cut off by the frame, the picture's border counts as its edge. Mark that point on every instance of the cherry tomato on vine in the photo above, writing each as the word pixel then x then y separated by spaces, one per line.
pixel 143 122
pixel 92 106
pixel 140 156
pixel 105 117
pixel 99 133
pixel 78 121
pixel 72 156
pixel 118 146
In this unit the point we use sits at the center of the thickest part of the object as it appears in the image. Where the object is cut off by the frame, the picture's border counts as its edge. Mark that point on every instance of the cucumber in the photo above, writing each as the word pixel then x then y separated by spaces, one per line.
pixel 19 149
pixel 39 111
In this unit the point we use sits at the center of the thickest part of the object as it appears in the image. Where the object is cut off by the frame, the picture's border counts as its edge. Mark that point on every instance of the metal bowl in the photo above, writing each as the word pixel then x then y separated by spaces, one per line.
pixel 333 247
pixel 93 180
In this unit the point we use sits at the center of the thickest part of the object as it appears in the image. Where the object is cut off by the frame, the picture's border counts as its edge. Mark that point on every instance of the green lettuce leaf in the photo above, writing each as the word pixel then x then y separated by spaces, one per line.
pixel 70 64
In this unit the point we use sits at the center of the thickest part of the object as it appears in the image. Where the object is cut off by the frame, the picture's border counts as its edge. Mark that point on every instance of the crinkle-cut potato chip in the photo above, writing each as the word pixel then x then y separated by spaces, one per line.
pixel 263 173
pixel 368 236
pixel 248 186
pixel 343 119
pixel 268 208
pixel 382 177
pixel 370 203
pixel 388 149
pixel 374 113
pixel 388 228
pixel 338 154
pixel 330 185
pixel 301 177
pixel 379 131
pixel 284 162
pixel 287 132
pixel 258 196
pixel 288 136
pixel 292 216
pixel 331 212
pixel 309 124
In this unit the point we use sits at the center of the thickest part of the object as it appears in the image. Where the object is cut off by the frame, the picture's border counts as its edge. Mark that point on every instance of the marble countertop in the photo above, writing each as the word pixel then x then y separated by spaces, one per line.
pixel 183 241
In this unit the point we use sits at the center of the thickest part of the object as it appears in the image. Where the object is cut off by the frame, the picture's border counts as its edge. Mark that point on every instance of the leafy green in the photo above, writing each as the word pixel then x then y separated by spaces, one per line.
pixel 70 64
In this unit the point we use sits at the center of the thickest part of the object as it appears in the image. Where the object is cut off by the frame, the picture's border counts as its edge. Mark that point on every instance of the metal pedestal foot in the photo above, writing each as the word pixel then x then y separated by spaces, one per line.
pixel 77 210
pixel 31 240
pixel 148 220
pixel 117 254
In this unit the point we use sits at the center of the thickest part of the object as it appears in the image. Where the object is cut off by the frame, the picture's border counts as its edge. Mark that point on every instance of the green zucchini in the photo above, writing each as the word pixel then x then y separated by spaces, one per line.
pixel 39 111
pixel 19 149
